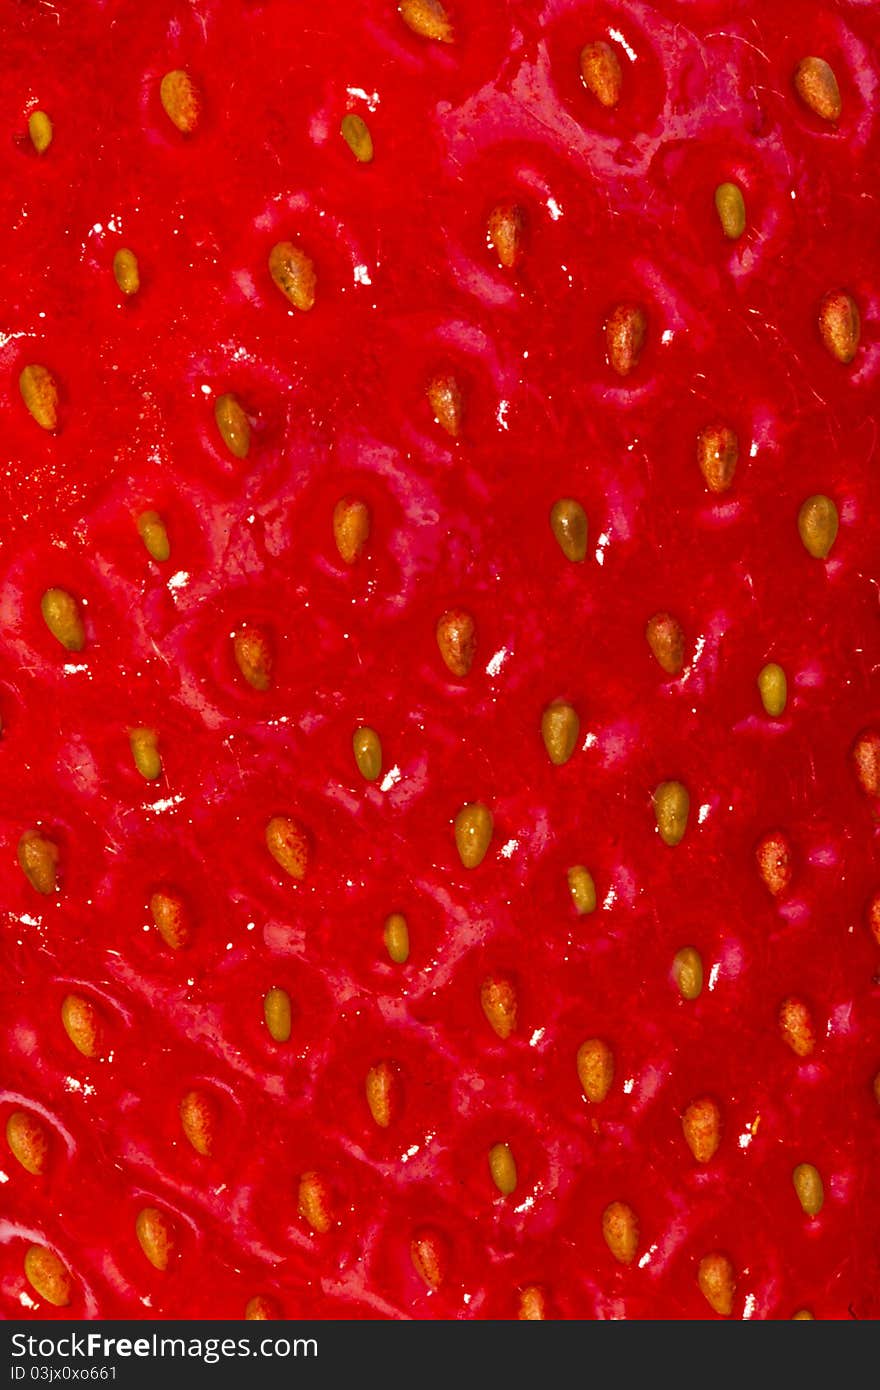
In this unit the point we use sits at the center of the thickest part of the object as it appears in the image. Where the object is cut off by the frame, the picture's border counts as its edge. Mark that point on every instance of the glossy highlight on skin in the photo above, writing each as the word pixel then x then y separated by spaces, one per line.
pixel 516 366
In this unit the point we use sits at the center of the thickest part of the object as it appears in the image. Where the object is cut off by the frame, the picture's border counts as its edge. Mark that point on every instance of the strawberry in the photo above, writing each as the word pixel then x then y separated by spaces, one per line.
pixel 438 719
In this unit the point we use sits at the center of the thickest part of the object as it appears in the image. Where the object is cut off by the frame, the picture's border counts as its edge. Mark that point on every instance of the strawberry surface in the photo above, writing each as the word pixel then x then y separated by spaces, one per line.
pixel 531 284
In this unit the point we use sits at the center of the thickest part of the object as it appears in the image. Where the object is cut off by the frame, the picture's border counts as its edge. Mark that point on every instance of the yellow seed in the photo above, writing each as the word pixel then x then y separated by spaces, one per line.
pixel 181 100
pixel 532 1304
pixel 625 333
pixel 687 969
pixel 456 634
pixel 427 18
pixel 473 833
pixel 671 807
pixel 560 727
pixel 199 1121
pixel 595 1068
pixel 294 274
pixel 717 1282
pixel 82 1024
pixel 498 1000
pixel 172 918
pixel 351 528
pixel 568 522
pixel 502 1166
pixel 717 456
pixel 40 131
pixel 701 1125
pixel 620 1227
pixel 666 640
pixel 504 233
pixel 428 1253
pixel 314 1202
pixel 774 859
pixel 39 392
pixel 396 936
pixel 262 1308
pixel 356 134
pixel 773 687
pixel 582 890
pixel 816 85
pixel 796 1026
pixel 601 72
pixel 277 1012
pixel 803 1315
pixel 287 840
pixel 444 398
pixel 383 1091
pixel 28 1141
pixel 817 525
pixel 47 1275
pixel 157 1236
pixel 731 209
pixel 367 752
pixel 151 529
pixel 809 1188
pixel 145 752
pixel 254 655
pixel 125 269
pixel 63 619
pixel 38 860
pixel 233 424
pixel 840 325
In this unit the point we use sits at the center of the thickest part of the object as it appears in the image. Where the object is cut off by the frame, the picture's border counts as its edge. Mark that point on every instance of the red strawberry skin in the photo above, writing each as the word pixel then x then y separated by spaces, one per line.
pixel 618 206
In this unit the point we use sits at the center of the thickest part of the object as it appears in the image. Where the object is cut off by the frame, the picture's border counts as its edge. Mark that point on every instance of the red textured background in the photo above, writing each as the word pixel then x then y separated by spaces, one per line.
pixel 620 208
